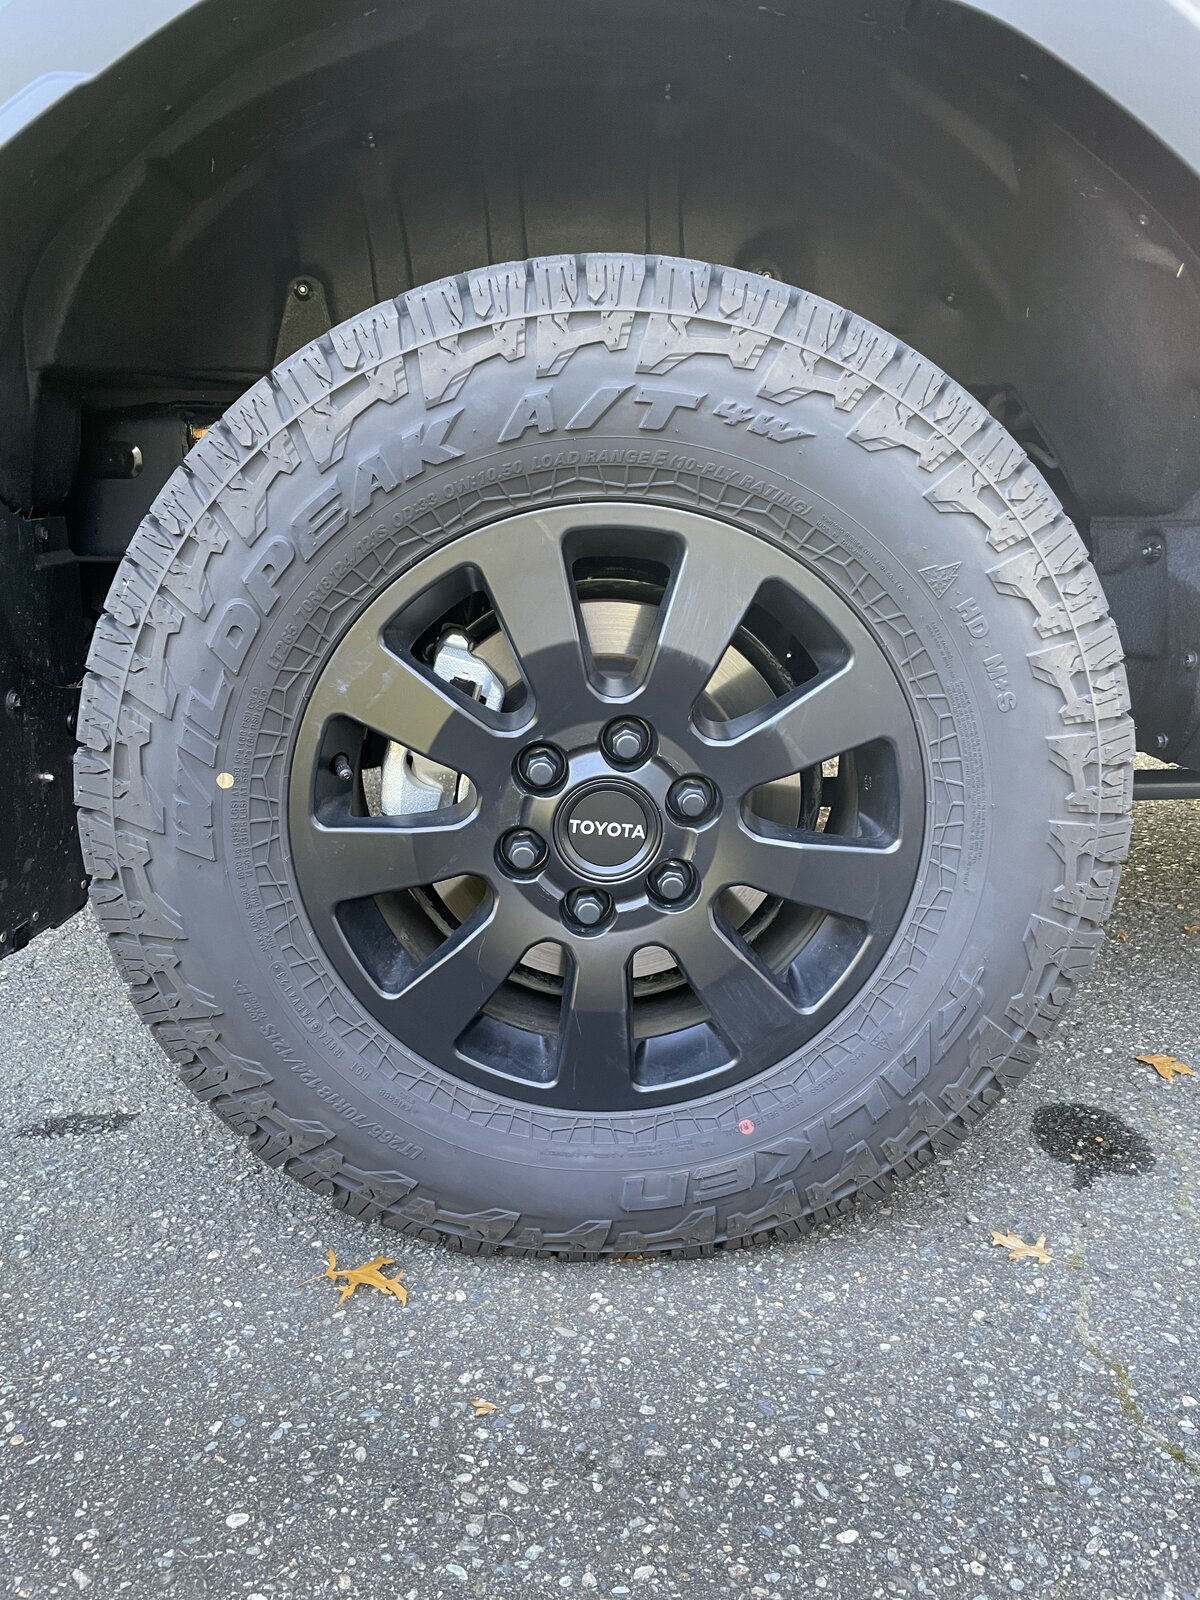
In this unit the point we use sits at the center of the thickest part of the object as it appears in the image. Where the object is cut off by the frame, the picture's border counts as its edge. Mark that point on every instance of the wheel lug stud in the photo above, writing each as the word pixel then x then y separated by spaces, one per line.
pixel 691 798
pixel 672 881
pixel 522 849
pixel 541 766
pixel 588 907
pixel 626 740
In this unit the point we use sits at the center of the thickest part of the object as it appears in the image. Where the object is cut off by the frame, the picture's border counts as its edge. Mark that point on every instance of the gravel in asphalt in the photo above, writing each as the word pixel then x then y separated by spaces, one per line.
pixel 889 1407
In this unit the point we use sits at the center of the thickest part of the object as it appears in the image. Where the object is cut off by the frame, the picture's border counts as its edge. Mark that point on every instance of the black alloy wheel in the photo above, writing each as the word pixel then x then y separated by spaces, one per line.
pixel 828 881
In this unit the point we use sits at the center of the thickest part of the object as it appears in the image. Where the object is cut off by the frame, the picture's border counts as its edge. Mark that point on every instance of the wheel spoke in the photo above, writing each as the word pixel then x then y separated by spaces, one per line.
pixel 848 707
pixel 742 997
pixel 595 1048
pixel 369 684
pixel 700 614
pixel 363 856
pixel 867 882
pixel 535 597
pixel 446 994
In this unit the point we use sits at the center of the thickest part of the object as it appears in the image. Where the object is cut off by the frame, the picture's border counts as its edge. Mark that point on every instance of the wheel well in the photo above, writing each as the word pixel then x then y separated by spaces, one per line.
pixel 918 164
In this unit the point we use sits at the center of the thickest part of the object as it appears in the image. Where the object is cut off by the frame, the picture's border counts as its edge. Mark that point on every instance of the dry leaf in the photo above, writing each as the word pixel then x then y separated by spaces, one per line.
pixel 1167 1067
pixel 482 1408
pixel 1191 927
pixel 1018 1250
pixel 1120 934
pixel 368 1276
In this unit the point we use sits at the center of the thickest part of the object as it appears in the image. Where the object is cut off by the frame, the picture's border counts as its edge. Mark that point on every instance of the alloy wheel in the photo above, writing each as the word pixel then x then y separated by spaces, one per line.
pixel 613 883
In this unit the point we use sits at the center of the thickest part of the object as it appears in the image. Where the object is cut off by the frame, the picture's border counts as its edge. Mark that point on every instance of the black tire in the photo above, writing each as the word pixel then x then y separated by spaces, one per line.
pixel 548 383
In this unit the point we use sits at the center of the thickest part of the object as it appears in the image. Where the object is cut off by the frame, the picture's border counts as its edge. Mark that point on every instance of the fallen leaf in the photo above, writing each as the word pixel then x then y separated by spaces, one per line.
pixel 482 1408
pixel 1167 1067
pixel 368 1276
pixel 1120 934
pixel 1192 927
pixel 1018 1250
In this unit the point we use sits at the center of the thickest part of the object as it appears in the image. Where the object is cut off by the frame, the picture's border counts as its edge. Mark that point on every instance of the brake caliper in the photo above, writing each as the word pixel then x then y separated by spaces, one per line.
pixel 412 782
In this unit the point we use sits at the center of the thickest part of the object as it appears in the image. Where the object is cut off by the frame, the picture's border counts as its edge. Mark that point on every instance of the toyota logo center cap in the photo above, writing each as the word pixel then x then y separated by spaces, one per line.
pixel 607 829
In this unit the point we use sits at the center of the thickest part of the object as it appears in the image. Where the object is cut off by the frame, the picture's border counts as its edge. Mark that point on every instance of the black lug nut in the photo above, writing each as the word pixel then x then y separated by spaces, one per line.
pixel 672 881
pixel 691 798
pixel 588 907
pixel 522 849
pixel 626 740
pixel 541 766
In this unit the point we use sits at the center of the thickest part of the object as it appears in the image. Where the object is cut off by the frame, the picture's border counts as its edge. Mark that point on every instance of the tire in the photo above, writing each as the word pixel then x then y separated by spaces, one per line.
pixel 656 390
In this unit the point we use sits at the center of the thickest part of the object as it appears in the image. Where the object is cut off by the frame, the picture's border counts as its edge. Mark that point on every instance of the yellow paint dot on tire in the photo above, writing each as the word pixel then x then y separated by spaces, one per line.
pixel 225 780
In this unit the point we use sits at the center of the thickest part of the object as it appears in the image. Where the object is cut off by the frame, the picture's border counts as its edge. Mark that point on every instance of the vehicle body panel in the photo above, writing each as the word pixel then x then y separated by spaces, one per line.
pixel 1143 56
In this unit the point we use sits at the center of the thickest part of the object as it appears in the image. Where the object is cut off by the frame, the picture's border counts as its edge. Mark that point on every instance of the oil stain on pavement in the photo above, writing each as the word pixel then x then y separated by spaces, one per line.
pixel 1092 1141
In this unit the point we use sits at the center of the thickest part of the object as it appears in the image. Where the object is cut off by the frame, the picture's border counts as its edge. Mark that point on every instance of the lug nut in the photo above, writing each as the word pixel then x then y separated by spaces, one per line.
pixel 672 881
pixel 541 766
pixel 588 907
pixel 691 798
pixel 522 849
pixel 626 740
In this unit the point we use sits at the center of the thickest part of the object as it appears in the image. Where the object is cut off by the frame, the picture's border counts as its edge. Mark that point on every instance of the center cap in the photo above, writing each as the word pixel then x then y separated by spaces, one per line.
pixel 607 829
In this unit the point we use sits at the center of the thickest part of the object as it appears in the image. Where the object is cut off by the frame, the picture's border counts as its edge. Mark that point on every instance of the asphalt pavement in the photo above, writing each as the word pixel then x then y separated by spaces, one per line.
pixel 890 1407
